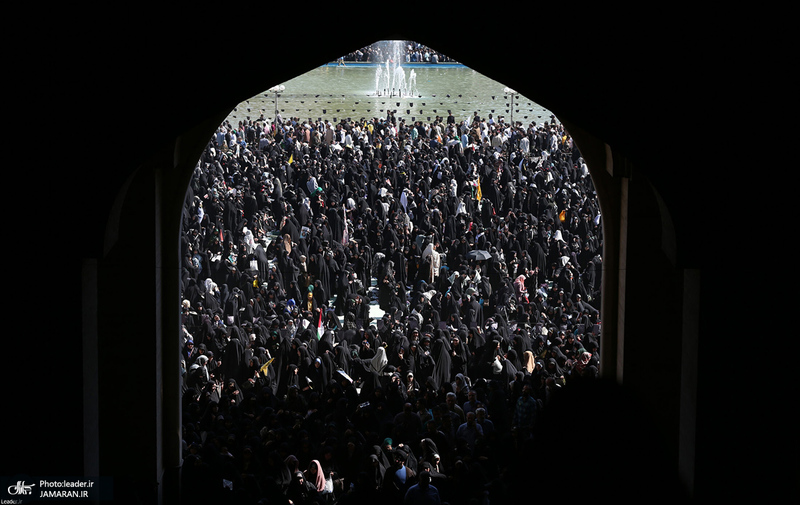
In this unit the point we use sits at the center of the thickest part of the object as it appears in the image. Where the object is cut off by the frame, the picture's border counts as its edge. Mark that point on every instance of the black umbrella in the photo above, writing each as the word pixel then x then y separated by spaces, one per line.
pixel 478 255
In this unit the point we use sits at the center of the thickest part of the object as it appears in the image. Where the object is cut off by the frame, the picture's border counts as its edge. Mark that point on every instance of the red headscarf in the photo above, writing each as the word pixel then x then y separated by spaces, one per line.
pixel 320 478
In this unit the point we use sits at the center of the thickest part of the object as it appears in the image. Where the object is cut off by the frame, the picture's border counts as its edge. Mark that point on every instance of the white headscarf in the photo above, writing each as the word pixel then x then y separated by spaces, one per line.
pixel 379 361
pixel 249 241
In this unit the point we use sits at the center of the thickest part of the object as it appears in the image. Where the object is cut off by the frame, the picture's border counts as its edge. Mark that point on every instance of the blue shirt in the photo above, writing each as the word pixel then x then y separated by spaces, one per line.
pixel 525 412
pixel 401 474
pixel 469 433
pixel 417 494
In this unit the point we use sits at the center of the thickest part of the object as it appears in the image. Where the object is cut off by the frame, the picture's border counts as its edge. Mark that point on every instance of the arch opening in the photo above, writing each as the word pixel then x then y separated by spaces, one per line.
pixel 653 305
pixel 286 160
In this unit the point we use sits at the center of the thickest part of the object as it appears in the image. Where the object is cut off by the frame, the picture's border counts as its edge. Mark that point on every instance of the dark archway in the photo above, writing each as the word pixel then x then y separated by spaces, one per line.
pixel 623 189
pixel 611 99
pixel 630 207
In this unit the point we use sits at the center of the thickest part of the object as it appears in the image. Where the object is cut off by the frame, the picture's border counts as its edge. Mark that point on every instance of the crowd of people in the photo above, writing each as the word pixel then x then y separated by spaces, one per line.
pixel 413 52
pixel 381 309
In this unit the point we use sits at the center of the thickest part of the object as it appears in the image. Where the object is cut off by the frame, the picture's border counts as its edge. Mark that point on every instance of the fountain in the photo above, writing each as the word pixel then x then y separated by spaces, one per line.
pixel 390 80
pixel 378 72
pixel 412 83
pixel 399 81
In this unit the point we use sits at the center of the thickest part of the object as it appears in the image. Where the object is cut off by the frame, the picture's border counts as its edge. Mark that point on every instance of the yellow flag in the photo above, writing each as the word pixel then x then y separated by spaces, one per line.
pixel 478 193
pixel 291 158
pixel 264 368
pixel 562 216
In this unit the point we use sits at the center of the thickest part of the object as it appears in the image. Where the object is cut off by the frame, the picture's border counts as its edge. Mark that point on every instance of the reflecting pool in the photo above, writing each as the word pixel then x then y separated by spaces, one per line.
pixel 359 90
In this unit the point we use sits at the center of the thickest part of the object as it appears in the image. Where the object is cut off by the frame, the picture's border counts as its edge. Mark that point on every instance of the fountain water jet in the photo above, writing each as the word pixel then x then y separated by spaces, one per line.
pixel 390 80
pixel 399 82
pixel 412 83
pixel 378 72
